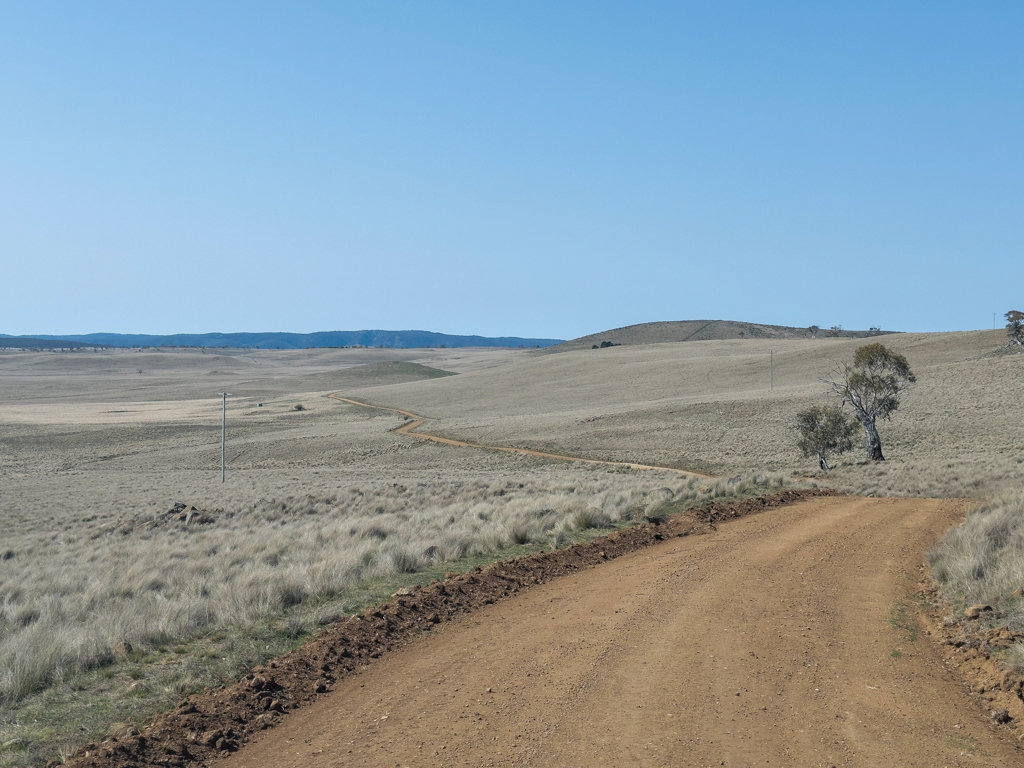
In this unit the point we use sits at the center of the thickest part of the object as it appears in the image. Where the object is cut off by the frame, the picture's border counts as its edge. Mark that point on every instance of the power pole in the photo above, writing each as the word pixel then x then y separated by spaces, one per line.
pixel 771 363
pixel 223 430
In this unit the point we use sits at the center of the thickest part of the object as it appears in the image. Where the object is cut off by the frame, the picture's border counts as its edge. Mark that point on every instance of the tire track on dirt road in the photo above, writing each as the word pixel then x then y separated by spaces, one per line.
pixel 408 430
pixel 770 642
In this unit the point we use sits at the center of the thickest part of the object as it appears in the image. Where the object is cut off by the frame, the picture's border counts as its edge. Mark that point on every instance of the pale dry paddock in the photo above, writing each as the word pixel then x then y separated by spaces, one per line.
pixel 321 501
pixel 707 406
pixel 317 501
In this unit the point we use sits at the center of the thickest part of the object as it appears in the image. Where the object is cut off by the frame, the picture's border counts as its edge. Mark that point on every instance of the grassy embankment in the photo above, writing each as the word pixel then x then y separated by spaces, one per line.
pixel 100 627
pixel 982 561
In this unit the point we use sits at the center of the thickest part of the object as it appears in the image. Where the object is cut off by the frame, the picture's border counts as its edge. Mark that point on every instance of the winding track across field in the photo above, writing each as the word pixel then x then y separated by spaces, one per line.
pixel 417 421
pixel 785 638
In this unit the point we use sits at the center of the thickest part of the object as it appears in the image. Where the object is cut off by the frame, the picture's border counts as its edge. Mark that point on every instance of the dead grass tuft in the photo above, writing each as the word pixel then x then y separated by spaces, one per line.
pixel 982 559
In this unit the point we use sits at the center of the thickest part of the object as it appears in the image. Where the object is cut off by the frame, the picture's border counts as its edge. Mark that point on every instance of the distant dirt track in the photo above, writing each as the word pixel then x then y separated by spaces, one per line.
pixel 418 421
pixel 784 638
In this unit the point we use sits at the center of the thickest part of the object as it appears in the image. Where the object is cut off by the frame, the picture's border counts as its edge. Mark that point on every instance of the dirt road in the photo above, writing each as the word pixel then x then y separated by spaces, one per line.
pixel 408 429
pixel 786 638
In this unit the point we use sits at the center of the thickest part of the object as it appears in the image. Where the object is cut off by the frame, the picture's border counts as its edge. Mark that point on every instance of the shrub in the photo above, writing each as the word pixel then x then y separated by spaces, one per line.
pixel 824 430
pixel 591 517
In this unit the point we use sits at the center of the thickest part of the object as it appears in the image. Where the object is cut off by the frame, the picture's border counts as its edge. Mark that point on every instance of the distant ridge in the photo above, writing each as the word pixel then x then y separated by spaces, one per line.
pixel 36 342
pixel 700 330
pixel 372 338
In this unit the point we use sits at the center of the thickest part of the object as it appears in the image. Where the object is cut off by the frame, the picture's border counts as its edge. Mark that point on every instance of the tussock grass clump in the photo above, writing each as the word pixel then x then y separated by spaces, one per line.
pixel 591 517
pixel 976 477
pixel 982 559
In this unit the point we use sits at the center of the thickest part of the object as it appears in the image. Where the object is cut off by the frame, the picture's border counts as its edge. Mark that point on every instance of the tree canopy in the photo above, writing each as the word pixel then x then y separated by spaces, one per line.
pixel 1015 326
pixel 824 430
pixel 872 386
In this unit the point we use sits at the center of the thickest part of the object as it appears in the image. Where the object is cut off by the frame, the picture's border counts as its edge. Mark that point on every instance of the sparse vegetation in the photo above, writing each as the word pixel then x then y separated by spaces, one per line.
pixel 699 406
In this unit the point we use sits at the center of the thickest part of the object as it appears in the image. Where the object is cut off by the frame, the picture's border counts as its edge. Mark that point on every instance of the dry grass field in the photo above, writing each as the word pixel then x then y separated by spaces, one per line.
pixel 110 607
pixel 708 406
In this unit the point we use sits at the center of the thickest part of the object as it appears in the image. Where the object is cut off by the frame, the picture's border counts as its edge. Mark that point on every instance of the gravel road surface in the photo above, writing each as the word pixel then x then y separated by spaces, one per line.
pixel 783 639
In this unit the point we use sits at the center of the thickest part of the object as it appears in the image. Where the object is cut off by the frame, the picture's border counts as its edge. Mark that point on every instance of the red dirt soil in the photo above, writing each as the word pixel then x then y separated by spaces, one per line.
pixel 782 639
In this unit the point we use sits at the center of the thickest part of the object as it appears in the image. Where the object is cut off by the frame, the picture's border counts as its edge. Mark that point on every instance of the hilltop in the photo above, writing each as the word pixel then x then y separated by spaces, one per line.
pixel 700 330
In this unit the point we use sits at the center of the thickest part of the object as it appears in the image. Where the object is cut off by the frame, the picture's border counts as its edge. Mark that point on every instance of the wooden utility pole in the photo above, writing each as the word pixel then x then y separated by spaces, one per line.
pixel 223 430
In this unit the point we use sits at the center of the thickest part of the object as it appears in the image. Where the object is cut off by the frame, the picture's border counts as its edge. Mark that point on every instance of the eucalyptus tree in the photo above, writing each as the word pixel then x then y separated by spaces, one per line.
pixel 1015 327
pixel 872 386
pixel 824 430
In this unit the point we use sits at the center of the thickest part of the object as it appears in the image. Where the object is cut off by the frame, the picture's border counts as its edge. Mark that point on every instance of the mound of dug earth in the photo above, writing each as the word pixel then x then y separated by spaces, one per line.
pixel 979 653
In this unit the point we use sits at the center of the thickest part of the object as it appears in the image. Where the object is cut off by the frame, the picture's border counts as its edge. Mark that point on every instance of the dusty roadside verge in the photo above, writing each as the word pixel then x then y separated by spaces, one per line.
pixel 977 651
pixel 216 723
pixel 782 639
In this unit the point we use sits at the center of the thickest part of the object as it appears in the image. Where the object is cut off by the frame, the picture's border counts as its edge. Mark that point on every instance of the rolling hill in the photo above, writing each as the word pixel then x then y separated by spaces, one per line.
pixel 698 330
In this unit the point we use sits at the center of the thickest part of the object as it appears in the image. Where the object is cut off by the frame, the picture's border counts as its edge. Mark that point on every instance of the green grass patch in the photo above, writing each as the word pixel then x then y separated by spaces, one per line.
pixel 962 742
pixel 901 620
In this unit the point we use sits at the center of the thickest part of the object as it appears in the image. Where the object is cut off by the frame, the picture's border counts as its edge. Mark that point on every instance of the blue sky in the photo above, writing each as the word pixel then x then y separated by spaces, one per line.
pixel 533 169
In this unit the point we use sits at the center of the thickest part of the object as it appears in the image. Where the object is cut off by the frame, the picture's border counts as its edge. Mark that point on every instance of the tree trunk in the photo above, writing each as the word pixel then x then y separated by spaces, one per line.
pixel 872 442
